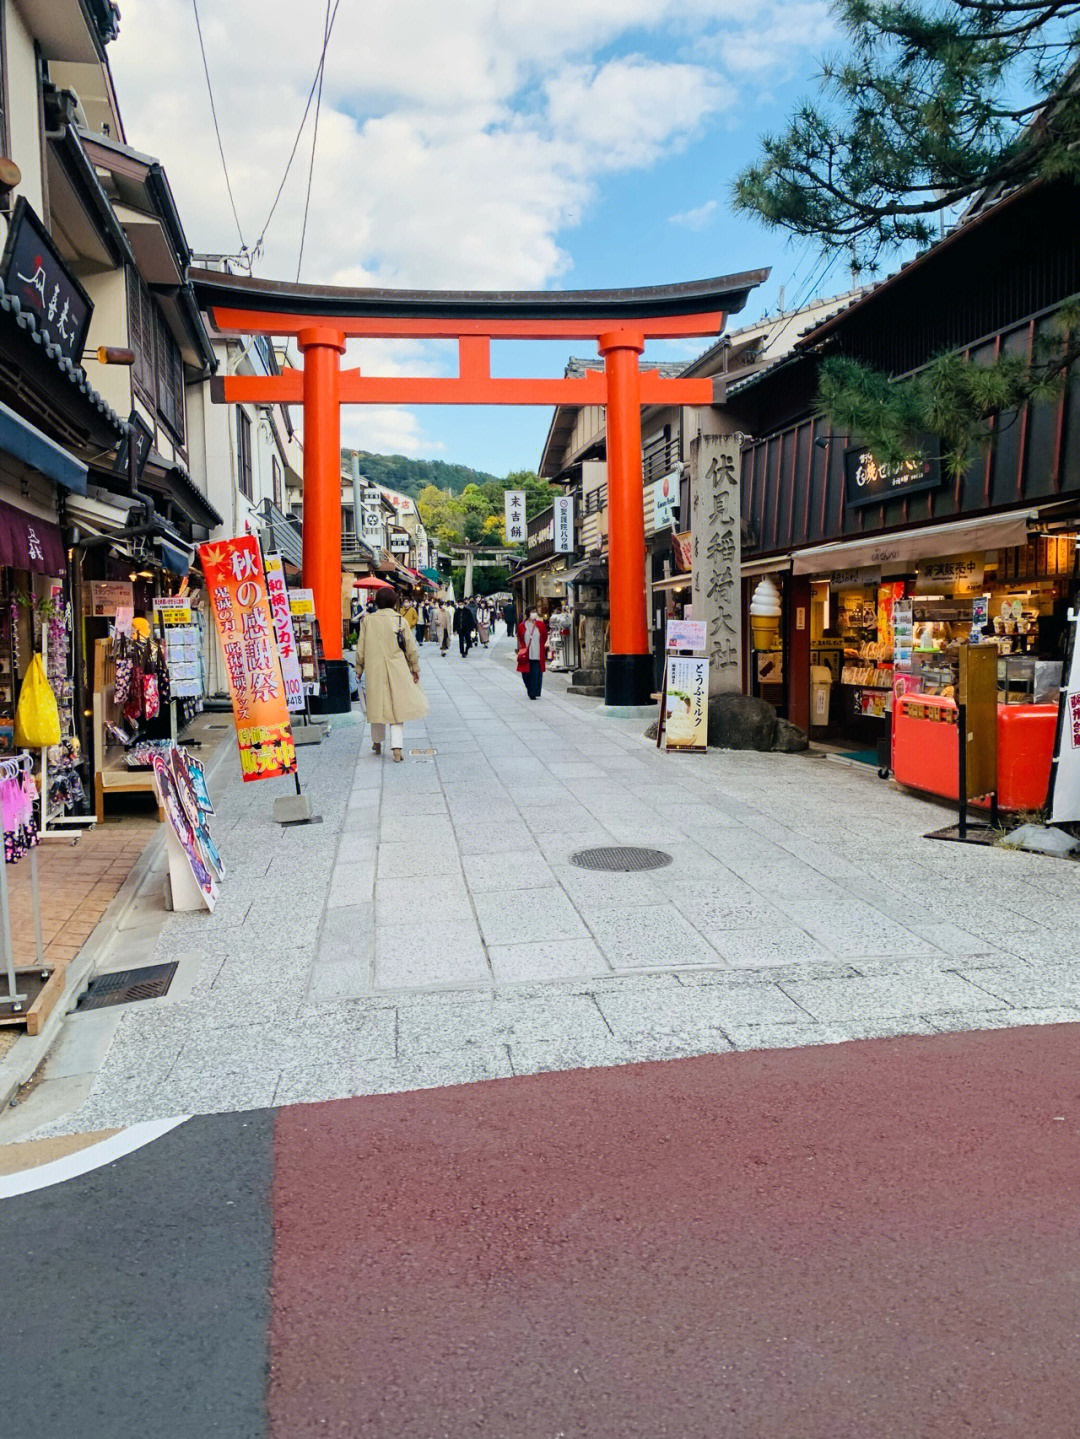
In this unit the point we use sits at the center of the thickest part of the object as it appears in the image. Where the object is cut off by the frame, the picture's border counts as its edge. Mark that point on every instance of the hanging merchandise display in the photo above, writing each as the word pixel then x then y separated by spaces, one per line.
pixel 195 865
pixel 17 799
pixel 37 720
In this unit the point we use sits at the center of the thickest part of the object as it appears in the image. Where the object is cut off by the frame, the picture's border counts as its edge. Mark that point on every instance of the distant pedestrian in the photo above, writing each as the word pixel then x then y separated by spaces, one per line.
pixel 387 656
pixel 509 618
pixel 422 622
pixel 447 625
pixel 532 653
pixel 465 628
pixel 410 615
pixel 483 623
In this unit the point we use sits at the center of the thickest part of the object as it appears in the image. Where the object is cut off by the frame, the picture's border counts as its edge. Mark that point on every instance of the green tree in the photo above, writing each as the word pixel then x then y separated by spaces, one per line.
pixel 936 101
pixel 952 398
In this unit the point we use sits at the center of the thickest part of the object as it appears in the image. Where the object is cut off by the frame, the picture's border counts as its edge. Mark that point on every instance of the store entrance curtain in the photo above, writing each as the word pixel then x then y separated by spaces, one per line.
pixel 27 543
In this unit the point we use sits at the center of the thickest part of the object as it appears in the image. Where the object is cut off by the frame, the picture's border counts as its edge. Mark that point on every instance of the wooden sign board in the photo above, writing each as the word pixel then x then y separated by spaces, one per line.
pixel 977 693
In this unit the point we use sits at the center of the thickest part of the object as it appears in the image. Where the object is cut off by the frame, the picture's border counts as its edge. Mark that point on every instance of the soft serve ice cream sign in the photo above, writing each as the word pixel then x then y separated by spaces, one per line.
pixel 765 611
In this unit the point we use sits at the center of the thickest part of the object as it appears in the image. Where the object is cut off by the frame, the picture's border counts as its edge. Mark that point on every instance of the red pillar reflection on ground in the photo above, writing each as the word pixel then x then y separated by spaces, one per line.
pixel 322 348
pixel 626 515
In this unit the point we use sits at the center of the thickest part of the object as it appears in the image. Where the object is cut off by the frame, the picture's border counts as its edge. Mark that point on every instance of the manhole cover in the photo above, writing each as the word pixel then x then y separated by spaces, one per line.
pixel 124 986
pixel 623 859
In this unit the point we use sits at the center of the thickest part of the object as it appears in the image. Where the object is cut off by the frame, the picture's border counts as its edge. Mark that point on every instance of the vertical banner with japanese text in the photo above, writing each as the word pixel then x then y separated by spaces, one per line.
pixel 1065 801
pixel 717 553
pixel 283 629
pixel 514 501
pixel 238 596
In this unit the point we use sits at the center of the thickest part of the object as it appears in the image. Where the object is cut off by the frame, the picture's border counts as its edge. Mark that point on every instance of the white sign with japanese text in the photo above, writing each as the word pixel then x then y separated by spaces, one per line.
pixel 686 704
pixel 564 525
pixel 665 498
pixel 514 501
pixel 685 635
pixel 1065 808
pixel 278 591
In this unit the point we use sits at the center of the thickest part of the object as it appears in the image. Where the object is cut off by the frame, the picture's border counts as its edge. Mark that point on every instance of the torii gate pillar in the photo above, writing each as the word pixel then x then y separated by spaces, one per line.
pixel 629 674
pixel 322 348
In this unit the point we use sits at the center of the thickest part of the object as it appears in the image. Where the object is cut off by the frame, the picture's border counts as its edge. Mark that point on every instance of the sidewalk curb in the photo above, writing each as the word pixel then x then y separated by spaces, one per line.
pixel 29 1051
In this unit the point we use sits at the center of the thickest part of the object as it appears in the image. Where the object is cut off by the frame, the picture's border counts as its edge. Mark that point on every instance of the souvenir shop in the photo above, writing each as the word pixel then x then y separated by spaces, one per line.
pixel 145 642
pixel 881 624
pixel 37 689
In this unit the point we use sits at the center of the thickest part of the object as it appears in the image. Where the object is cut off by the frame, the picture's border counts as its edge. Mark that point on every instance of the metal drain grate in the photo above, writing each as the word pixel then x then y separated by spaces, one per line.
pixel 624 859
pixel 125 986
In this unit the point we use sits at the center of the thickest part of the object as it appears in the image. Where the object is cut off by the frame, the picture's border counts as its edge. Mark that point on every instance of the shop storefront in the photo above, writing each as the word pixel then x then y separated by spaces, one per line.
pixel 871 630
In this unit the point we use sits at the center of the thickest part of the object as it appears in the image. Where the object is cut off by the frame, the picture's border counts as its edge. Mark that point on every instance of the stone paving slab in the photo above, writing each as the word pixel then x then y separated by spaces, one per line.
pixel 433 931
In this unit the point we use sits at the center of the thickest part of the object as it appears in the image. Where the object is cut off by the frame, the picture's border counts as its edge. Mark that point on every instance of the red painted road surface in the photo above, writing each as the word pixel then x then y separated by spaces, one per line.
pixel 874 1239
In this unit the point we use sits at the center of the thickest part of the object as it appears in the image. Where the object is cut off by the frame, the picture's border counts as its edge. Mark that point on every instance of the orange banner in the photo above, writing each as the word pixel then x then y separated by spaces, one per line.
pixel 245 626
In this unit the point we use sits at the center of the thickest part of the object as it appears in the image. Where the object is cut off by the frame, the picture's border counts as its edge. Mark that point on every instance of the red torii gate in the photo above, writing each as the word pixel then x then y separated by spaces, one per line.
pixel 321 319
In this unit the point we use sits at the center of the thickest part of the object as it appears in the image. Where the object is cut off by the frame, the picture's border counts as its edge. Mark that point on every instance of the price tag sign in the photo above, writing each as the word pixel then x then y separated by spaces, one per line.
pixel 301 602
pixel 173 610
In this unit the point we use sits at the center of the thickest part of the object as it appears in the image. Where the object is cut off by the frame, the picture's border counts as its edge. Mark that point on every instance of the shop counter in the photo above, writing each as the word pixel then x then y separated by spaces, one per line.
pixel 925 750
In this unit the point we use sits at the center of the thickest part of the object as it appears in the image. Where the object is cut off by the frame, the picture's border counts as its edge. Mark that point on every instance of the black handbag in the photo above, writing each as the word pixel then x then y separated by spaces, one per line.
pixel 401 641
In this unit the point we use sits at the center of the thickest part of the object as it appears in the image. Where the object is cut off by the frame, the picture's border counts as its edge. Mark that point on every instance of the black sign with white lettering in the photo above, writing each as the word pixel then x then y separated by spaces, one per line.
pixel 869 483
pixel 32 269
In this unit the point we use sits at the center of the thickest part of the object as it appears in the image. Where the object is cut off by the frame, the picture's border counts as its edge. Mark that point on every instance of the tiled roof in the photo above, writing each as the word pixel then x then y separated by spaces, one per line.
pixel 74 374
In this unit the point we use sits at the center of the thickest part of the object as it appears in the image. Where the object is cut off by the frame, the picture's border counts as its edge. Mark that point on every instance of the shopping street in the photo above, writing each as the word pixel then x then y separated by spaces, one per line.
pixel 432 930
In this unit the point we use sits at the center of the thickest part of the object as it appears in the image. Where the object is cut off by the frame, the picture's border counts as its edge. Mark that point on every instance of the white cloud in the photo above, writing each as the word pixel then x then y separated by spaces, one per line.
pixel 695 219
pixel 459 144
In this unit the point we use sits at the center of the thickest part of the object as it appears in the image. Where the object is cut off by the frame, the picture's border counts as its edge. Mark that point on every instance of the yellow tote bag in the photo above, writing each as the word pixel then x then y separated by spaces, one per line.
pixel 37 720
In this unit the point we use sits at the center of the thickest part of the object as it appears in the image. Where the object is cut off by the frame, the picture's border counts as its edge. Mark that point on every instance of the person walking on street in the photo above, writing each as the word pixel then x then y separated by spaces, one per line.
pixel 449 625
pixel 422 622
pixel 532 653
pixel 483 623
pixel 509 618
pixel 464 628
pixel 410 615
pixel 387 655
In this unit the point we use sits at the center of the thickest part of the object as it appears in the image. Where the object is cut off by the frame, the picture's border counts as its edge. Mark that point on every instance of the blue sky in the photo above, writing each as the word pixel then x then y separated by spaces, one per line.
pixel 517 144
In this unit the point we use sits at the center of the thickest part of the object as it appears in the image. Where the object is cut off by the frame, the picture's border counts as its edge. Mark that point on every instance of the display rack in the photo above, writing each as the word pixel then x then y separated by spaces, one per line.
pixel 15 1001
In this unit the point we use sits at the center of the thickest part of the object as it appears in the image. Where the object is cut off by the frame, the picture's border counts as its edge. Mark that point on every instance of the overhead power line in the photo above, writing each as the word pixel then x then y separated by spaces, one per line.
pixel 315 85
pixel 217 128
pixel 314 136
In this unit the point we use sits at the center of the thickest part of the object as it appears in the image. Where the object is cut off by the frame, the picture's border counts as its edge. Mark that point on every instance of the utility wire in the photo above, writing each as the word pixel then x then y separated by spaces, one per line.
pixel 303 121
pixel 217 128
pixel 314 139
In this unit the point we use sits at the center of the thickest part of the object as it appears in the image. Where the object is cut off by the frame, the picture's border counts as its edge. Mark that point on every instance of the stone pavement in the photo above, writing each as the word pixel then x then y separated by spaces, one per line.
pixel 433 931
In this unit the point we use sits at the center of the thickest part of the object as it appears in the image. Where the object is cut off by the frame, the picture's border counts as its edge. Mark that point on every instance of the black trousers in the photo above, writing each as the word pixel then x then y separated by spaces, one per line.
pixel 421 631
pixel 534 680
pixel 464 642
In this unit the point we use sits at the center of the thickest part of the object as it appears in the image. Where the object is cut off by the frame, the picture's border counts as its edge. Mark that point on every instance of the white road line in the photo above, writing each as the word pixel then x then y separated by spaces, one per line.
pixel 83 1161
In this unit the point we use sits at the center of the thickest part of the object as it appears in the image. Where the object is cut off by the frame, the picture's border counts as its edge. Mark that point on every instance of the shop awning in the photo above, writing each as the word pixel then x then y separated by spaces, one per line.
pixel 29 543
pixel 24 441
pixel 933 542
pixel 674 582
pixel 776 565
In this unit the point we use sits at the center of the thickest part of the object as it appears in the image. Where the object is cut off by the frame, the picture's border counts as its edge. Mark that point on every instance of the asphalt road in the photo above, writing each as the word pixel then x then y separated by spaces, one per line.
pixel 865 1239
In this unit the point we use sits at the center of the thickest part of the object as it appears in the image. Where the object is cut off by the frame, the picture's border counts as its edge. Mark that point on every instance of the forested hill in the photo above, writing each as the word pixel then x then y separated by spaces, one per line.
pixel 409 477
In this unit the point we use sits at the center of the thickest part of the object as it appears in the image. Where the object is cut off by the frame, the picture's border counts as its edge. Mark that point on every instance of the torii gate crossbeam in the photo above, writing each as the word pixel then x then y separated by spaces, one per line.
pixel 321 320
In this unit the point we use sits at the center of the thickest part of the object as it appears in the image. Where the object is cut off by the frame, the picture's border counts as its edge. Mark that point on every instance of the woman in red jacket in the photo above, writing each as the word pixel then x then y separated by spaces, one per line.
pixel 532 653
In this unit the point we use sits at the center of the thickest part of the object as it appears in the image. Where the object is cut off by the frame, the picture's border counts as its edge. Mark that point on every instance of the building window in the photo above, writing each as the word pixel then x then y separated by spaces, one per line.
pixel 243 454
pixel 158 370
pixel 277 480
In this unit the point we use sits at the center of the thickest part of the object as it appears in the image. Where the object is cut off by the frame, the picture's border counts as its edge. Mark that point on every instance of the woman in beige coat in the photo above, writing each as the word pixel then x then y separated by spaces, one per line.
pixel 392 670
